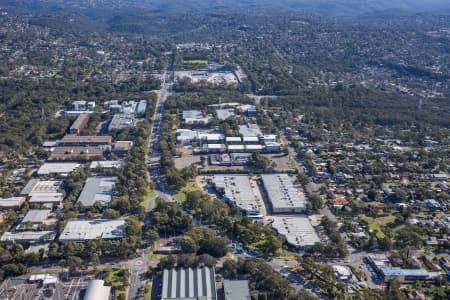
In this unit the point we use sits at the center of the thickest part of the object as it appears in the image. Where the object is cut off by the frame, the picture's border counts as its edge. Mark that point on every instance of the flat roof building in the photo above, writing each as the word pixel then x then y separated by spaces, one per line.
pixel 186 136
pixel 194 116
pixel 190 283
pixel 77 153
pixel 107 164
pixel 121 121
pixel 250 130
pixel 141 107
pixel 297 229
pixel 236 148
pixel 96 290
pixel 35 186
pixel 79 124
pixel 28 237
pixel 253 148
pixel 97 189
pixel 233 139
pixel 408 275
pixel 85 140
pixel 225 114
pixel 57 168
pixel 36 216
pixel 282 194
pixel 12 202
pixel 237 190
pixel 48 199
pixel 122 148
pixel 236 290
pixel 86 230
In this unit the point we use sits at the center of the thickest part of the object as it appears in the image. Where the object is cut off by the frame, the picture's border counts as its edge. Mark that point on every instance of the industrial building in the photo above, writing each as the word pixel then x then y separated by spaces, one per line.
pixel 77 153
pixel 28 237
pixel 122 121
pixel 236 190
pixel 190 283
pixel 12 202
pixel 250 130
pixel 233 139
pixel 236 290
pixel 35 186
pixel 70 140
pixel 86 230
pixel 233 159
pixel 36 216
pixel 97 189
pixel 48 200
pixel 194 117
pixel 342 272
pixel 122 148
pixel 297 229
pixel 57 168
pixel 97 290
pixel 107 164
pixel 141 107
pixel 79 124
pixel 225 114
pixel 283 196
pixel 407 275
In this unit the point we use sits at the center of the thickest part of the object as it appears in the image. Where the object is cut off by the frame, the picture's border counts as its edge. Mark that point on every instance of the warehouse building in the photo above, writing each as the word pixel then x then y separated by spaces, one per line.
pixel 36 216
pixel 97 290
pixel 195 117
pixel 77 153
pixel 121 121
pixel 70 140
pixel 407 275
pixel 12 202
pixel 122 148
pixel 57 168
pixel 283 196
pixel 48 200
pixel 225 114
pixel 236 290
pixel 107 164
pixel 190 283
pixel 35 186
pixel 79 124
pixel 98 189
pixel 28 237
pixel 250 130
pixel 297 229
pixel 236 190
pixel 86 230
pixel 141 107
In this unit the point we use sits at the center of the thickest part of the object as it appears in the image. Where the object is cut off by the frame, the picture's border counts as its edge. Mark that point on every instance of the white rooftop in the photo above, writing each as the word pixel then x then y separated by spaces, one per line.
pixel 282 193
pixel 84 230
pixel 97 189
pixel 237 189
pixel 249 130
pixel 297 229
pixel 108 164
pixel 57 168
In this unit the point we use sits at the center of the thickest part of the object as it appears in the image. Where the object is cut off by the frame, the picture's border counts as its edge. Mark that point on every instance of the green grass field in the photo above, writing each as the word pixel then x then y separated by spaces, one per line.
pixel 181 195
pixel 373 224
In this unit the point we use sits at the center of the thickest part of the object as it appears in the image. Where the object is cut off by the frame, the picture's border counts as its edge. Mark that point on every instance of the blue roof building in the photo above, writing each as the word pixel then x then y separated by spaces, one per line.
pixel 407 275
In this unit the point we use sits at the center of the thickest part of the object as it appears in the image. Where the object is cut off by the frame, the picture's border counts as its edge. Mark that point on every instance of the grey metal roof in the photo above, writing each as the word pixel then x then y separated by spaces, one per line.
pixel 29 186
pixel 28 236
pixel 297 229
pixel 49 168
pixel 96 290
pixel 120 121
pixel 238 191
pixel 236 290
pixel 224 114
pixel 36 215
pixel 189 283
pixel 84 230
pixel 250 130
pixel 282 193
pixel 97 189
pixel 141 107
